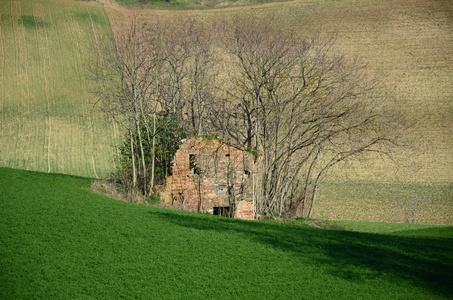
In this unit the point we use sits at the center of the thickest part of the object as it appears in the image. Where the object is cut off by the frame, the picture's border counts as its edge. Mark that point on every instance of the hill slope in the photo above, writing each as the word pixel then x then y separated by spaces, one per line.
pixel 45 105
pixel 46 110
pixel 60 241
pixel 409 42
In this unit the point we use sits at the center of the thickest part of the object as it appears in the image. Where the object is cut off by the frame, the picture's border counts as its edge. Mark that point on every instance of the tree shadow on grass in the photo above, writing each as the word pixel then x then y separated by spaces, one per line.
pixel 423 261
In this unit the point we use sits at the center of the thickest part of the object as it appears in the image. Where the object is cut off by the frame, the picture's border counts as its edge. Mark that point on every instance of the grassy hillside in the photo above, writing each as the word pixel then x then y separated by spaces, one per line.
pixel 60 241
pixel 46 110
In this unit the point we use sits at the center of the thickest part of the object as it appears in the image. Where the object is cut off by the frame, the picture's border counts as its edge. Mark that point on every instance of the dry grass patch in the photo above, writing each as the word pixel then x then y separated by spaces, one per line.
pixel 111 190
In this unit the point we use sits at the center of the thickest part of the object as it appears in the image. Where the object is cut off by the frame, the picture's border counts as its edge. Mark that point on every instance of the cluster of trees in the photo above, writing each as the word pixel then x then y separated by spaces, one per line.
pixel 296 103
pixel 150 79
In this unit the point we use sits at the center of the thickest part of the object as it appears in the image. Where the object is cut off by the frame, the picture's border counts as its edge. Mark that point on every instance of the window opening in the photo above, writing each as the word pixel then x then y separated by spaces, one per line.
pixel 193 166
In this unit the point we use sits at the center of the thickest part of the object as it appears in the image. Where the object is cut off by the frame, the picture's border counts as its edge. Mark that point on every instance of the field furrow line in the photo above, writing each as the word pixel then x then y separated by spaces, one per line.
pixel 114 130
pixel 40 49
pixel 92 26
pixel 15 18
pixel 79 41
pixel 44 49
pixel 23 75
pixel 93 141
pixel 92 123
pixel 49 121
pixel 15 12
pixel 8 76
pixel 74 25
pixel 73 29
pixel 44 54
pixel 2 73
pixel 46 93
pixel 48 59
pixel 94 167
pixel 5 148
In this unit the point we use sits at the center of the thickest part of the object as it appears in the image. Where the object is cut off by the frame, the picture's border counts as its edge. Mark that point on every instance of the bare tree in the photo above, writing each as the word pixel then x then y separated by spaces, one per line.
pixel 127 86
pixel 304 109
pixel 145 74
pixel 186 50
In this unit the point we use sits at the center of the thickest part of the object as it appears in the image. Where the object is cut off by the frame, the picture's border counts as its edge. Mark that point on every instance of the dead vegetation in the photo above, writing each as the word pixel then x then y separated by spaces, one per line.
pixel 112 190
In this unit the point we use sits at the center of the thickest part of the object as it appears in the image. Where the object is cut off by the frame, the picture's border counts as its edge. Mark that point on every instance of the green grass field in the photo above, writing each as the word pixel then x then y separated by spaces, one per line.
pixel 60 241
pixel 47 117
pixel 412 230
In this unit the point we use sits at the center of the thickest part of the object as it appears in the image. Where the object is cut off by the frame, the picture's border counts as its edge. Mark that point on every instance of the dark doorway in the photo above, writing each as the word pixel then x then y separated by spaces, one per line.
pixel 223 211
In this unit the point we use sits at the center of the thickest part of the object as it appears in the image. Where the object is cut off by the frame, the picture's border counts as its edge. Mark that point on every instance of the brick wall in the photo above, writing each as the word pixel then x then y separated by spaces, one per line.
pixel 208 173
pixel 245 210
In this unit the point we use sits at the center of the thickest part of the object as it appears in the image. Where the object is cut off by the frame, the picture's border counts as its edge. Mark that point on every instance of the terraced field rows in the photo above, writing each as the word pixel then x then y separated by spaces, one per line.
pixel 48 120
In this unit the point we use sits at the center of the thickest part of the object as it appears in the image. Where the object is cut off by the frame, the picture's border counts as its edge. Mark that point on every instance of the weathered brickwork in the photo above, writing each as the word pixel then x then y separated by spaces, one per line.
pixel 211 176
pixel 245 210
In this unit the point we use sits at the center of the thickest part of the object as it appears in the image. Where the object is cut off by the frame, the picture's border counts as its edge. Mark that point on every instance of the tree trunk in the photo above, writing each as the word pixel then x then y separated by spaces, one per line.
pixel 134 171
pixel 153 155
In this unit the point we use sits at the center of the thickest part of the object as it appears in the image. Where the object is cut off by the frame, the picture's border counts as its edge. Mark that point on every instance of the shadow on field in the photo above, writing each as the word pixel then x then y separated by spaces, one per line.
pixel 424 262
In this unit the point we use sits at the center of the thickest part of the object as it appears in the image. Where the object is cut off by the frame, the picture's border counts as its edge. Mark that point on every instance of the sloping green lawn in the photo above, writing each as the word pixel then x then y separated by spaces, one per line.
pixel 60 241
pixel 420 230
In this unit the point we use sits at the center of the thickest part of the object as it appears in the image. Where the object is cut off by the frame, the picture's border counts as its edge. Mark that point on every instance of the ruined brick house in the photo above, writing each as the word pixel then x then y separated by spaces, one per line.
pixel 211 176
